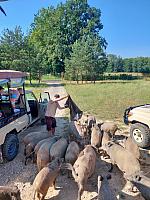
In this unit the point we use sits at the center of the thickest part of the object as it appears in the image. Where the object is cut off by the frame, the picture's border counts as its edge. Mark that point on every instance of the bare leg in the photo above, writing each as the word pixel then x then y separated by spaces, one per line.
pixel 43 197
pixel 54 184
pixel 80 191
pixel 50 133
pixel 53 131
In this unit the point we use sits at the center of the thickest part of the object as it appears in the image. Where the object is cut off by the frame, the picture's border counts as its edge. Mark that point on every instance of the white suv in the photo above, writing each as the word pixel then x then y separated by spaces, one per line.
pixel 15 118
pixel 138 117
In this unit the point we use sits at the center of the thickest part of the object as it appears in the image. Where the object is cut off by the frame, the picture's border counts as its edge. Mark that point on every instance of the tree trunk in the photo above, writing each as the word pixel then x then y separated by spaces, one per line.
pixel 39 76
pixel 77 79
pixel 82 77
pixel 30 78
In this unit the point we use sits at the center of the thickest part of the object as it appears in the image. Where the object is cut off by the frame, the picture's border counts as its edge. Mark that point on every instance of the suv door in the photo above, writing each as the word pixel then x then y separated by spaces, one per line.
pixel 43 101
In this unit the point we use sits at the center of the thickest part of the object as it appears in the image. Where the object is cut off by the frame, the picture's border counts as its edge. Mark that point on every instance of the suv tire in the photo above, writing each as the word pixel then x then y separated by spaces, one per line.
pixel 10 147
pixel 140 134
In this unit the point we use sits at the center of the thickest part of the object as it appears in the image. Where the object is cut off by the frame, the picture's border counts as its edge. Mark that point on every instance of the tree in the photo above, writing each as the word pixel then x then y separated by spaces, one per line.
pixel 55 30
pixel 115 63
pixel 13 52
pixel 87 58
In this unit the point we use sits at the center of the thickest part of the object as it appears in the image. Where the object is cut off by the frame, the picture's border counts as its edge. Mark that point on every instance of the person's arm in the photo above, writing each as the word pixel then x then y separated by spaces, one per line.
pixel 59 99
pixel 59 107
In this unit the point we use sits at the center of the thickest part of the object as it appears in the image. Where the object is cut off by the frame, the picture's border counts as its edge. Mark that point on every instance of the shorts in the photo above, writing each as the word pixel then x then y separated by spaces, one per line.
pixel 50 122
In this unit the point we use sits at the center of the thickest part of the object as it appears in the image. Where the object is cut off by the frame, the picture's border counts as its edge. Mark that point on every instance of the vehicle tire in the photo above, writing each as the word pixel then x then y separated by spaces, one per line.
pixel 10 147
pixel 140 134
pixel 43 121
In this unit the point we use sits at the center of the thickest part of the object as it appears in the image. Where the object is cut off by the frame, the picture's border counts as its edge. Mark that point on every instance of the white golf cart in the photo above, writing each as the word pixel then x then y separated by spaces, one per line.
pixel 15 117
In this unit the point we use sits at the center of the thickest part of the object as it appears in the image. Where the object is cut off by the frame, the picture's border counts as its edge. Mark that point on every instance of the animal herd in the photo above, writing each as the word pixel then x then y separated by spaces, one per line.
pixel 87 143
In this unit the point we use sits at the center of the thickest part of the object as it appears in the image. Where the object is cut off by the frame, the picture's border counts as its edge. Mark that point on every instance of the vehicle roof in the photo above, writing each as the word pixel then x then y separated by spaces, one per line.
pixel 7 74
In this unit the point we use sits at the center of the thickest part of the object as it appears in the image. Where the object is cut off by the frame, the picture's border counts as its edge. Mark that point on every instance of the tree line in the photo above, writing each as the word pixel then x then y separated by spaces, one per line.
pixel 119 64
pixel 64 39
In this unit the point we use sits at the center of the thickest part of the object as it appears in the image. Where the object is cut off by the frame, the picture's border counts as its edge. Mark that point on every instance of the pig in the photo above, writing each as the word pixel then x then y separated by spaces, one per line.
pixel 46 178
pixel 59 148
pixel 132 147
pixel 83 168
pixel 142 183
pixel 123 159
pixel 29 152
pixel 106 138
pixel 72 153
pixel 109 127
pixel 86 123
pixel 43 155
pixel 35 137
pixel 9 193
pixel 96 136
pixel 104 190
pixel 39 144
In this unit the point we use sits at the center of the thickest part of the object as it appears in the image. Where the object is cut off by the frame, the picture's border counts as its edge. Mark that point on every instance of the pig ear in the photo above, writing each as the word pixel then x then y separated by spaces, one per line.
pixel 108 176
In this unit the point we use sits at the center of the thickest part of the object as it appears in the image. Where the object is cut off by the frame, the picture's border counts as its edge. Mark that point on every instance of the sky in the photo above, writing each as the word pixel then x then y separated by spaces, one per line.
pixel 126 22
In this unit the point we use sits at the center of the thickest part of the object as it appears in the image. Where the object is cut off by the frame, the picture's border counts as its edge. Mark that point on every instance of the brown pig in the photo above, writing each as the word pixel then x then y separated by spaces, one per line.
pixel 43 154
pixel 96 136
pixel 83 168
pixel 46 178
pixel 132 147
pixel 125 160
pixel 59 148
pixel 109 127
pixel 9 193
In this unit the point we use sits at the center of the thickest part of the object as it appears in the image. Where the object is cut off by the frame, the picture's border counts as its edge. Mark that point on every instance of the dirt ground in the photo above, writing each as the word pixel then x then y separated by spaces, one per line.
pixel 16 173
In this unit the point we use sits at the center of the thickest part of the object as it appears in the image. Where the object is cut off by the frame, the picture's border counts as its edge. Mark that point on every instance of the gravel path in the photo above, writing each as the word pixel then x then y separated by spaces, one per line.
pixel 16 173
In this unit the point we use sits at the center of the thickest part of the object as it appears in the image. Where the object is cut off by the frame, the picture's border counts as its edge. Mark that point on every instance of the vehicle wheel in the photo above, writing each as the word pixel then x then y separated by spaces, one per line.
pixel 140 134
pixel 10 147
pixel 43 122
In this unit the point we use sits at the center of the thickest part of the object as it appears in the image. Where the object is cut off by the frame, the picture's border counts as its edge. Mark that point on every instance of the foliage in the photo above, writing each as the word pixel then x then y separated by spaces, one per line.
pixel 55 30
pixel 118 64
pixel 87 59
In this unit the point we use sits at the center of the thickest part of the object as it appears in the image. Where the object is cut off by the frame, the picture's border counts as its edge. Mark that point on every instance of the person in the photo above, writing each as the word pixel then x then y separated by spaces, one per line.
pixel 1 92
pixel 51 111
pixel 13 97
pixel 20 102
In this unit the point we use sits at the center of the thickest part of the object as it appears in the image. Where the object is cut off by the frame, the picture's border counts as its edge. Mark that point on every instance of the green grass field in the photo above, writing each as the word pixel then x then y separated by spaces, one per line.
pixel 108 101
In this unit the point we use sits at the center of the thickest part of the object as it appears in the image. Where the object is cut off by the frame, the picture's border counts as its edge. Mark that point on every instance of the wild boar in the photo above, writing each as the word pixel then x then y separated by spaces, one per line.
pixel 104 190
pixel 39 144
pixel 9 193
pixel 96 136
pixel 43 154
pixel 109 127
pixel 123 159
pixel 29 152
pixel 35 137
pixel 83 168
pixel 72 152
pixel 132 147
pixel 142 183
pixel 59 148
pixel 106 138
pixel 46 178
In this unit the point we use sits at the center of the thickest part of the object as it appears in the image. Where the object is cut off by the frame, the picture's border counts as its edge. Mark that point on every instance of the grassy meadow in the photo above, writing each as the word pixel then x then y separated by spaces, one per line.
pixel 108 100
